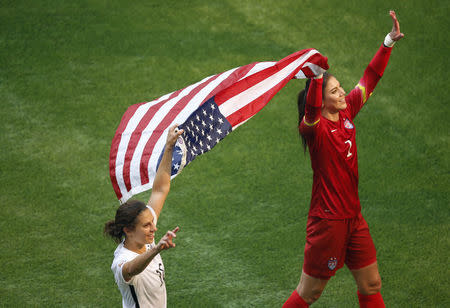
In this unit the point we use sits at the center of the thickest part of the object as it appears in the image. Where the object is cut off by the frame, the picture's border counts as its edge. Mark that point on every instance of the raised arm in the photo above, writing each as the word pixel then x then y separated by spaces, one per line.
pixel 375 70
pixel 313 105
pixel 161 184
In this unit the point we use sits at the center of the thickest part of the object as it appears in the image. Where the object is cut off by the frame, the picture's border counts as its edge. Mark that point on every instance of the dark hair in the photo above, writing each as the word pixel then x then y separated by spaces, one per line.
pixel 126 216
pixel 301 102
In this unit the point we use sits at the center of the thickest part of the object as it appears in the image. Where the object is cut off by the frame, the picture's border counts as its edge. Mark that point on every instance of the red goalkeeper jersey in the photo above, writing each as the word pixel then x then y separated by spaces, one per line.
pixel 332 145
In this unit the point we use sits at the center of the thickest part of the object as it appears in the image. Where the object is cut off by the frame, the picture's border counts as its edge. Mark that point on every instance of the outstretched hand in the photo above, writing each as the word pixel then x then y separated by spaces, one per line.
pixel 395 33
pixel 166 241
pixel 173 135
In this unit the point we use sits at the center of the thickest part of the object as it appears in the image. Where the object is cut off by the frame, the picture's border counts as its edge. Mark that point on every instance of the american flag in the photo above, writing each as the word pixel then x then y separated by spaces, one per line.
pixel 207 110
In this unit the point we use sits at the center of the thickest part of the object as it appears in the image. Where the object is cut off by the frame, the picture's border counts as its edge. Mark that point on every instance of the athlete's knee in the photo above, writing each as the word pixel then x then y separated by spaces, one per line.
pixel 315 294
pixel 310 296
pixel 372 286
pixel 310 288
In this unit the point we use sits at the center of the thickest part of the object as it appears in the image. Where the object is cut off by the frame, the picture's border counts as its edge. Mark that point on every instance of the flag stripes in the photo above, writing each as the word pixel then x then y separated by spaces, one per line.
pixel 246 97
pixel 239 94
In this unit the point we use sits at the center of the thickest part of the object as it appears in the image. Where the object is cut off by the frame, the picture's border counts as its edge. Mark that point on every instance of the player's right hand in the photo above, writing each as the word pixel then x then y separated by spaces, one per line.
pixel 166 241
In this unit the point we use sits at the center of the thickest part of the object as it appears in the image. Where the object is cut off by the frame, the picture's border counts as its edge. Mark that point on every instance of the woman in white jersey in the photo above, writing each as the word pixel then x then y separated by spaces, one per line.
pixel 137 266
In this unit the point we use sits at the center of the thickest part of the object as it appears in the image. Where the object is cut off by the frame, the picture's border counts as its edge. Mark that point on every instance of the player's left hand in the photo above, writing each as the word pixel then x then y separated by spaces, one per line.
pixel 395 33
pixel 173 135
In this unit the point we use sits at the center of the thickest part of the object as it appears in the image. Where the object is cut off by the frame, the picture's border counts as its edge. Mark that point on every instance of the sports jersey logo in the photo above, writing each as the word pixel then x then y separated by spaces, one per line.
pixel 332 263
pixel 160 272
pixel 348 124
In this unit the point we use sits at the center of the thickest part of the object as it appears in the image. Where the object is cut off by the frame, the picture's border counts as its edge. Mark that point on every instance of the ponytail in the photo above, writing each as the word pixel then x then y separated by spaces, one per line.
pixel 126 216
pixel 114 231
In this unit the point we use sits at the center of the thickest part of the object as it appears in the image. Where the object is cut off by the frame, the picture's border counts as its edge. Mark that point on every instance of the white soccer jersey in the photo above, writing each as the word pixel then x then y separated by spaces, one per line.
pixel 147 289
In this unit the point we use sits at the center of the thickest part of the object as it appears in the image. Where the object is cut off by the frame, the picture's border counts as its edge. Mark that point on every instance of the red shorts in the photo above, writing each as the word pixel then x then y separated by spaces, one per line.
pixel 331 243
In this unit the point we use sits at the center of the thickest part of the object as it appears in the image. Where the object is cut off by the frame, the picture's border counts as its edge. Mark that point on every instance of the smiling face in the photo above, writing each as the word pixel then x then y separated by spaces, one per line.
pixel 333 98
pixel 144 231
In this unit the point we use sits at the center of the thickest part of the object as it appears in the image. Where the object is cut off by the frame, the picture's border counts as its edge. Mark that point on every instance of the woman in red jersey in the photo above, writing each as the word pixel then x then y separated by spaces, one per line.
pixel 337 234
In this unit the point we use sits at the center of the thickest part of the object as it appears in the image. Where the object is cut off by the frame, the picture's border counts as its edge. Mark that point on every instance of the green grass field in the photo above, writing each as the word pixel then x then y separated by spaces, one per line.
pixel 70 69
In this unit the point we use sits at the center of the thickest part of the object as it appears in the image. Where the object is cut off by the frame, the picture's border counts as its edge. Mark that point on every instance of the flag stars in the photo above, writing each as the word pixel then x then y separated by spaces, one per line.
pixel 205 128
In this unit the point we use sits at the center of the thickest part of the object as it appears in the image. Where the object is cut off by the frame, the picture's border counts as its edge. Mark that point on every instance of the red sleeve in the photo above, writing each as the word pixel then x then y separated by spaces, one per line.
pixel 373 73
pixel 312 107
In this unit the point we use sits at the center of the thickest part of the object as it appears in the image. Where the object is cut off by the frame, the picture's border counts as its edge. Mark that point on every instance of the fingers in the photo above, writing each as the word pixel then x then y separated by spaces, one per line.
pixel 167 245
pixel 174 133
pixel 174 128
pixel 171 234
pixel 395 33
pixel 395 24
pixel 166 240
pixel 177 130
pixel 392 13
pixel 398 37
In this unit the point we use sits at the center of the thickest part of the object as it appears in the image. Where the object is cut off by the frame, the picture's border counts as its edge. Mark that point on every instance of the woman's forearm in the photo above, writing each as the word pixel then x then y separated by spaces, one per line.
pixel 162 177
pixel 138 264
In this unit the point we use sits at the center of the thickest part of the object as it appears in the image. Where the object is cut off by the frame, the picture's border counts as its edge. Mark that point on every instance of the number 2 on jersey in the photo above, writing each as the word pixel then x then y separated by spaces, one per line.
pixel 349 147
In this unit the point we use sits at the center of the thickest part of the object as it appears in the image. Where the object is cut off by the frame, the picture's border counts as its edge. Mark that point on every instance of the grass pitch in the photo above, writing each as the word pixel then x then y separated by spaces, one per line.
pixel 69 70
